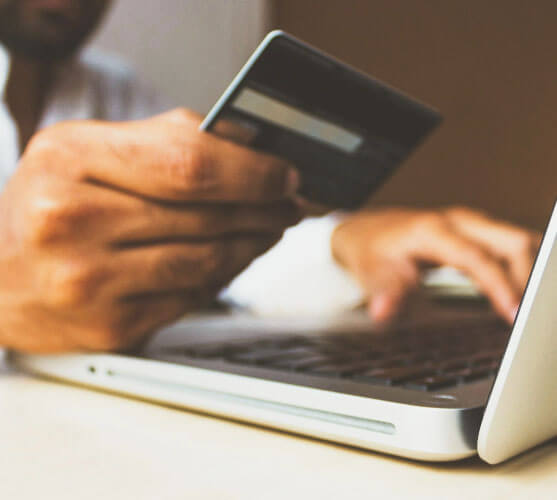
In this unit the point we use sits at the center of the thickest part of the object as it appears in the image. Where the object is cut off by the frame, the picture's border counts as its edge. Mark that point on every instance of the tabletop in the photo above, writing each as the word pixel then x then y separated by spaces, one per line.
pixel 66 442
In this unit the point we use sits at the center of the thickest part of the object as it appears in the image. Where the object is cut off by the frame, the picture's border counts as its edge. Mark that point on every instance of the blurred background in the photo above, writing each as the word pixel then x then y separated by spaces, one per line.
pixel 488 66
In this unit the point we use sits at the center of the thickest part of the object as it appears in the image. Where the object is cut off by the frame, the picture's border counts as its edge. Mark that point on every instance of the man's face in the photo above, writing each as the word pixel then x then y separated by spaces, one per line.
pixel 48 29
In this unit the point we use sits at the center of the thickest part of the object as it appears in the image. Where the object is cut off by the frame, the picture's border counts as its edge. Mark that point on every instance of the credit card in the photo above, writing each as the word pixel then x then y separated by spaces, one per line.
pixel 345 131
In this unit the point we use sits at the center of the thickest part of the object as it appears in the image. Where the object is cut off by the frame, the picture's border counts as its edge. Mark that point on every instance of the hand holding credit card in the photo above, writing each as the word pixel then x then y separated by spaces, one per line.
pixel 344 131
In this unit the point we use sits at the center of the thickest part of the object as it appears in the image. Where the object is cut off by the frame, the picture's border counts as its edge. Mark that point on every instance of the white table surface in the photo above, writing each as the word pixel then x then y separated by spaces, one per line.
pixel 64 442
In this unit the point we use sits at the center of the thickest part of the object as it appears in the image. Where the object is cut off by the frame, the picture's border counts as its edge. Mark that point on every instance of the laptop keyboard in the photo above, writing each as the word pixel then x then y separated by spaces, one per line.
pixel 424 358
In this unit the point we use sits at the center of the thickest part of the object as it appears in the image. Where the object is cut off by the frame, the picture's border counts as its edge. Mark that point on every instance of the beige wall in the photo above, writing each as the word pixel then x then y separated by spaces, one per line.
pixel 489 66
pixel 189 48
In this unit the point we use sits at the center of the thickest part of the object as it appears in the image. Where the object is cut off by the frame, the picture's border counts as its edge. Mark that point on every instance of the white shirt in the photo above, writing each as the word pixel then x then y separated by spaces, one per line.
pixel 296 277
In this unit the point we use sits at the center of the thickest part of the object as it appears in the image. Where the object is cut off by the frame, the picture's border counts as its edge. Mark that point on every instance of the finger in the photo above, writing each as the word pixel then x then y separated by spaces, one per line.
pixel 167 223
pixel 178 266
pixel 385 306
pixel 521 265
pixel 447 248
pixel 515 245
pixel 168 158
pixel 388 284
pixel 94 213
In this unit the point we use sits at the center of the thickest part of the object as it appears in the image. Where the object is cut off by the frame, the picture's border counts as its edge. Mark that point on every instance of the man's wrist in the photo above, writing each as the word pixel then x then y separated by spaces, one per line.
pixel 336 240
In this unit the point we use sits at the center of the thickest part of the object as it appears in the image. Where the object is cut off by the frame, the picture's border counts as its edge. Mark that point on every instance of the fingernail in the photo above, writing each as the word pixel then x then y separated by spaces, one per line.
pixel 513 311
pixel 379 308
pixel 292 181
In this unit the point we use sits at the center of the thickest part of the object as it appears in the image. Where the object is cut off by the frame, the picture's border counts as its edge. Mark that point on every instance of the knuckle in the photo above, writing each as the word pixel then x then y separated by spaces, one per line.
pixel 195 167
pixel 183 115
pixel 74 284
pixel 42 154
pixel 43 141
pixel 475 259
pixel 56 150
pixel 459 212
pixel 48 147
pixel 46 219
pixel 193 172
pixel 51 217
pixel 429 222
pixel 473 256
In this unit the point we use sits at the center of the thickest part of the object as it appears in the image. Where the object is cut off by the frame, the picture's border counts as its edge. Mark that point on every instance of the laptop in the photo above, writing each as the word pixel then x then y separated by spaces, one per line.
pixel 438 390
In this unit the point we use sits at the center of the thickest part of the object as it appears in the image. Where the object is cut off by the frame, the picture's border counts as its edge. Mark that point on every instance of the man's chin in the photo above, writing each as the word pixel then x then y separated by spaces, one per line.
pixel 45 31
pixel 41 51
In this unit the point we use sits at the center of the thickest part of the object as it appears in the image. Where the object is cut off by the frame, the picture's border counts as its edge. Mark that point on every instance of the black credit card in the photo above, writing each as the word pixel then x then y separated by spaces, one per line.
pixel 345 131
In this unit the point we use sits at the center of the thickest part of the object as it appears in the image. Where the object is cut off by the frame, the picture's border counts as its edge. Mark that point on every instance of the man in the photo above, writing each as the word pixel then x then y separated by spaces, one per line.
pixel 110 230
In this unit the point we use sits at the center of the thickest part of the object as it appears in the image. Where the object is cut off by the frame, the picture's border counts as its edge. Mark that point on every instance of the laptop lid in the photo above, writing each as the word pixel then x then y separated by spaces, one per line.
pixel 522 407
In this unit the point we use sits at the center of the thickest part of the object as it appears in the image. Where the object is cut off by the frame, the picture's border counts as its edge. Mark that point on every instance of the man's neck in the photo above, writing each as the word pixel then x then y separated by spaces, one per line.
pixel 26 90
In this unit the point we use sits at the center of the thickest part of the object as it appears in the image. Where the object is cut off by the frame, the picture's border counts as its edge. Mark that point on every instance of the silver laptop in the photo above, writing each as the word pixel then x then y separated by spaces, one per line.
pixel 441 390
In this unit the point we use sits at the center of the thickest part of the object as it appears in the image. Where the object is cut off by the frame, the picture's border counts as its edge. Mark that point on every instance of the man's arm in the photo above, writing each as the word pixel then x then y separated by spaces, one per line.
pixel 324 266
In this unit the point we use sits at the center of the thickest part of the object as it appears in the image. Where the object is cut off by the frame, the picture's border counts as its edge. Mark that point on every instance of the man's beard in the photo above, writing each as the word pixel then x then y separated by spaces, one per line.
pixel 46 34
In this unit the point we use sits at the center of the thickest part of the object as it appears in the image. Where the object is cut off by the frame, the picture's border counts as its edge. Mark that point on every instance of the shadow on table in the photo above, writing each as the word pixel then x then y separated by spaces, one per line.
pixel 543 458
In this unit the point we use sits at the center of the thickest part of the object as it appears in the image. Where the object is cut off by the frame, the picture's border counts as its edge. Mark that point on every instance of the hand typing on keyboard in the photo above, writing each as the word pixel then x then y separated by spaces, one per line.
pixel 387 249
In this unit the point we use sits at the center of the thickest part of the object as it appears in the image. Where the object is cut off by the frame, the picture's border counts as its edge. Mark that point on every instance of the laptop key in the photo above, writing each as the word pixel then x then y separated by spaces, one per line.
pixel 453 364
pixel 267 355
pixel 298 364
pixel 481 361
pixel 486 358
pixel 206 352
pixel 255 357
pixel 432 383
pixel 340 369
pixel 394 376
pixel 472 374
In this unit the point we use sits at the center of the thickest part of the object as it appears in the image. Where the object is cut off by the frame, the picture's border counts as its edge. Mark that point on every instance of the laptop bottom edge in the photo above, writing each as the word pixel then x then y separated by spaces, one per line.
pixel 420 433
